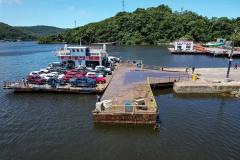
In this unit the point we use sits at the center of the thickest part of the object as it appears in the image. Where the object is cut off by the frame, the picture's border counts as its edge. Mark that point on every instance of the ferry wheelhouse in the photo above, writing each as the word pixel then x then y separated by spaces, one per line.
pixel 82 55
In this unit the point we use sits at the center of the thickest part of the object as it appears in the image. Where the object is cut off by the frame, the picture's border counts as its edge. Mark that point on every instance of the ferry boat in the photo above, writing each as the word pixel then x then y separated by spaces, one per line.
pixel 83 55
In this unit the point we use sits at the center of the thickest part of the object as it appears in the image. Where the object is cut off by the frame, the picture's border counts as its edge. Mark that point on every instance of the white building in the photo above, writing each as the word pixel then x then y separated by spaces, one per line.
pixel 183 45
pixel 81 55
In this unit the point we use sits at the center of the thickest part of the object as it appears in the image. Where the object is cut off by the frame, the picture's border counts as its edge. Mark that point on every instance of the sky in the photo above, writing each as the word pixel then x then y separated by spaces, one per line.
pixel 63 13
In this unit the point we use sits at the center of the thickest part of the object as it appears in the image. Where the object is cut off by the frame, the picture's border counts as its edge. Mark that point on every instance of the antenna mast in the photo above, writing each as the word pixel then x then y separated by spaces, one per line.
pixel 123 5
pixel 182 10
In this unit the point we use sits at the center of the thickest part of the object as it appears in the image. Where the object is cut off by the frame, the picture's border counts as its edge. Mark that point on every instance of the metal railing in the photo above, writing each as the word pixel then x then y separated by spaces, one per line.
pixel 152 67
pixel 168 79
pixel 20 84
pixel 128 109
pixel 152 100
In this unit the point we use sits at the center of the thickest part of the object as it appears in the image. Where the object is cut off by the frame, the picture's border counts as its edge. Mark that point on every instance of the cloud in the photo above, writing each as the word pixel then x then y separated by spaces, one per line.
pixel 10 2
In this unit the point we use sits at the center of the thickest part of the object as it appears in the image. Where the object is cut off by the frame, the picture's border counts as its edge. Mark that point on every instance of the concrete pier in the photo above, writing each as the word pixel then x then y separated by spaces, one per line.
pixel 129 86
pixel 210 80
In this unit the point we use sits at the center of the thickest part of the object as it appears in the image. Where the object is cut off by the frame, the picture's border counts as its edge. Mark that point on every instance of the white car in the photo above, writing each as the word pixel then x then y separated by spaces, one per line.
pixel 99 75
pixel 113 59
pixel 55 73
pixel 99 68
pixel 48 76
pixel 90 69
pixel 43 71
pixel 33 73
pixel 102 68
pixel 91 74
pixel 61 76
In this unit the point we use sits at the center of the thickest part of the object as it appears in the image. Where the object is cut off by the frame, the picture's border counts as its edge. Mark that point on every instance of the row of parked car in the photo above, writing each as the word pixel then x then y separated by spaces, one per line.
pixel 78 77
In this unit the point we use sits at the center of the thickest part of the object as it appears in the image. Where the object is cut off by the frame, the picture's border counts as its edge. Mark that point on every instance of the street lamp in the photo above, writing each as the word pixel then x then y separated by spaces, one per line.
pixel 230 58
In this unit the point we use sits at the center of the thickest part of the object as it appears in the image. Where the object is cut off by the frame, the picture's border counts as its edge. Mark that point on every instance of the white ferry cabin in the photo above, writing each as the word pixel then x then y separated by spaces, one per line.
pixel 82 55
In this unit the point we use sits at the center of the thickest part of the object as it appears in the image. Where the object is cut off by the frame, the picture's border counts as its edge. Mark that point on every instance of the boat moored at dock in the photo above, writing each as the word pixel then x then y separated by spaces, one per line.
pixel 216 49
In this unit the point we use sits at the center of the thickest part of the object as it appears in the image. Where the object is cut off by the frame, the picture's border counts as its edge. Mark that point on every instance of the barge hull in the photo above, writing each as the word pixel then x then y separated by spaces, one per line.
pixel 124 118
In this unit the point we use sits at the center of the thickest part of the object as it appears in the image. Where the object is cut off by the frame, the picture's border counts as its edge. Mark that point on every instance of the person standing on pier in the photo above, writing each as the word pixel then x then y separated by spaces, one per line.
pixel 236 66
pixel 193 69
pixel 23 81
pixel 98 98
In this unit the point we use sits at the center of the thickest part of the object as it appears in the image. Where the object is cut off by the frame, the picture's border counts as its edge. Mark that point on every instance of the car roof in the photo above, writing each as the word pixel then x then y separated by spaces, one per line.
pixel 91 73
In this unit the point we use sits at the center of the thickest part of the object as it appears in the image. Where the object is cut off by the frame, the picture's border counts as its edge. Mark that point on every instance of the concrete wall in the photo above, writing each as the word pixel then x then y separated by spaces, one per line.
pixel 205 88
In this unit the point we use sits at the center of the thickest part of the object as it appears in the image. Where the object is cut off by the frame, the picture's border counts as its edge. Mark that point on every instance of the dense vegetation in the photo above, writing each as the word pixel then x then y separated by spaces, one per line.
pixel 11 33
pixel 8 32
pixel 40 30
pixel 150 26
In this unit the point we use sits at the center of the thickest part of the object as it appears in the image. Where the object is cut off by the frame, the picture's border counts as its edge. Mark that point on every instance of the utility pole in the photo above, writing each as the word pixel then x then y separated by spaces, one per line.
pixel 123 5
pixel 182 10
pixel 80 43
pixel 230 58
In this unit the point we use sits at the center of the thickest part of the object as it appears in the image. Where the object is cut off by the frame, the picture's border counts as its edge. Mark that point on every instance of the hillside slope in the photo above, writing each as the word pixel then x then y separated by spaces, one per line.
pixel 150 26
pixel 8 32
pixel 41 30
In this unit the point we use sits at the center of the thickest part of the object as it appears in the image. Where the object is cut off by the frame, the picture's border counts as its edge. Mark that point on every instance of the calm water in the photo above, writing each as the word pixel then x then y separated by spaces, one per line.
pixel 59 126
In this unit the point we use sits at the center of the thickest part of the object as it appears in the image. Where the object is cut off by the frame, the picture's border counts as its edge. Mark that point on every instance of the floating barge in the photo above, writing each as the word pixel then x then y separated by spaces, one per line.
pixel 183 47
pixel 129 98
pixel 213 52
pixel 21 87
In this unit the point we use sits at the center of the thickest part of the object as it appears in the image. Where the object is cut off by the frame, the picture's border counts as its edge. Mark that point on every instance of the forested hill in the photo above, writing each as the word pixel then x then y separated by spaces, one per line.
pixel 41 30
pixel 150 26
pixel 11 33
pixel 8 32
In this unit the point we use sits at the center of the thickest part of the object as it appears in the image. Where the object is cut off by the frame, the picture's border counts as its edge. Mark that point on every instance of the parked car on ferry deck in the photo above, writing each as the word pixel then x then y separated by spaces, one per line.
pixel 93 75
pixel 55 81
pixel 83 82
pixel 69 76
pixel 34 73
pixel 49 75
pixel 113 59
pixel 56 67
pixel 36 79
pixel 103 69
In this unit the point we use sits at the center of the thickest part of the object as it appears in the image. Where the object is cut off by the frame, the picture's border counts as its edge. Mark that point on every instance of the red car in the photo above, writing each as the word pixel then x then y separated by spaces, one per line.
pixel 76 71
pixel 36 79
pixel 79 75
pixel 69 75
pixel 100 80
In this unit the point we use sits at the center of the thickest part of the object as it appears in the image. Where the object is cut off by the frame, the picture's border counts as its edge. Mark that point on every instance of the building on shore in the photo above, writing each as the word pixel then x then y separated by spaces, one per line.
pixel 183 45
